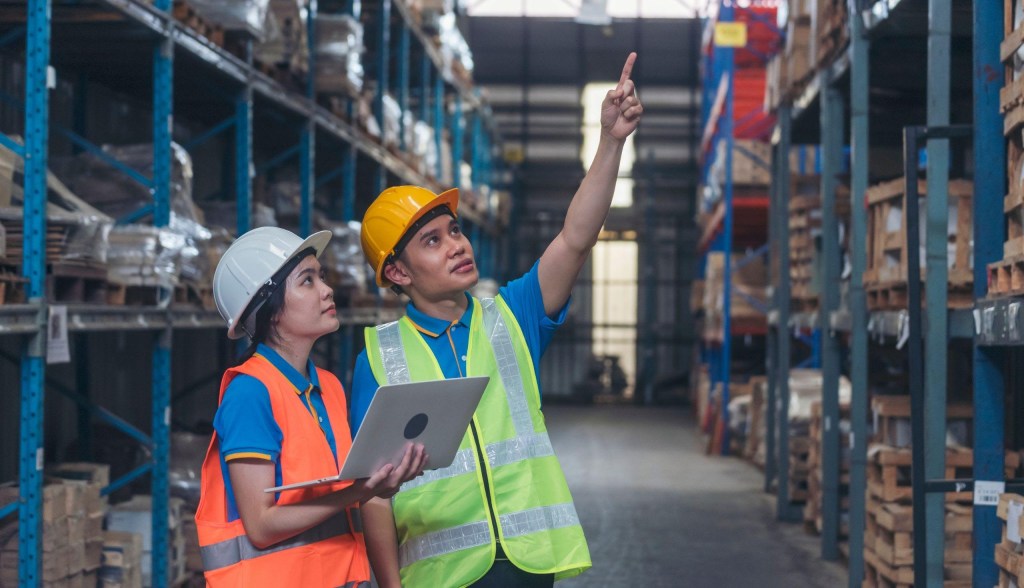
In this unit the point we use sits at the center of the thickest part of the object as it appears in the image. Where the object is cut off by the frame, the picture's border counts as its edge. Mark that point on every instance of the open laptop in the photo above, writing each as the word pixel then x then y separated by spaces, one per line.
pixel 435 413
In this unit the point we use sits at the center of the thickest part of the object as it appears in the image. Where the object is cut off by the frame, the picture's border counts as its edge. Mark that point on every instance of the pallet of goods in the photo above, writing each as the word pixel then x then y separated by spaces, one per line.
pixel 186 13
pixel 812 510
pixel 885 278
pixel 748 299
pixel 1009 552
pixel 1006 277
pixel 831 31
pixel 804 238
pixel 888 537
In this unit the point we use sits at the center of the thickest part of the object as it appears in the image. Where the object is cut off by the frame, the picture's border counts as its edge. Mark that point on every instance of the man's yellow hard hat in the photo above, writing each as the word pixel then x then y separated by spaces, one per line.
pixel 390 217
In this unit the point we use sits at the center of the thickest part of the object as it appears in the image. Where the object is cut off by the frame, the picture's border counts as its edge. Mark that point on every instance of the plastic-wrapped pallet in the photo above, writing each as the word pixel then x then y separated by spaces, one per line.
pixel 284 41
pixel 391 125
pixel 424 148
pixel 339 48
pixel 456 57
pixel 233 15
pixel 176 249
pixel 347 269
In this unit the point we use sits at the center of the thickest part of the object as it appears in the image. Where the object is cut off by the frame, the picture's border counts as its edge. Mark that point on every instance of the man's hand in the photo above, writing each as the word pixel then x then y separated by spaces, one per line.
pixel 621 109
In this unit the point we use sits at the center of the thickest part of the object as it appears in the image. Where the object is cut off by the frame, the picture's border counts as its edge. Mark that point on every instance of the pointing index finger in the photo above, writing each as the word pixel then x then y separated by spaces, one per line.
pixel 627 69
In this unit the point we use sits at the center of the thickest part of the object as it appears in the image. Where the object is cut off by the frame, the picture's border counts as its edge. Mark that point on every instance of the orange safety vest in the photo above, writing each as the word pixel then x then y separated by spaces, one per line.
pixel 330 554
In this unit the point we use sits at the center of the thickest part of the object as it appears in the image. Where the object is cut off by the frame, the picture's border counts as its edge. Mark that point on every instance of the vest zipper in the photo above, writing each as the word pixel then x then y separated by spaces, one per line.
pixel 483 472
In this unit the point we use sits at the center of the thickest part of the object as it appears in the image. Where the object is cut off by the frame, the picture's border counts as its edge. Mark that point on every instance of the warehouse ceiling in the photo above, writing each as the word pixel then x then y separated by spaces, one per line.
pixel 533 71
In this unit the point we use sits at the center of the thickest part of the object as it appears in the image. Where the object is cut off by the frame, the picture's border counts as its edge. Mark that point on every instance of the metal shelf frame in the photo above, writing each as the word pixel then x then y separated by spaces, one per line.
pixel 992 324
pixel 172 40
pixel 717 117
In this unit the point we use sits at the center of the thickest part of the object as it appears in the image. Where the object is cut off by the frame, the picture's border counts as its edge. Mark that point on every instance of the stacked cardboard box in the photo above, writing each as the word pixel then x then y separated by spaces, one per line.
pixel 90 478
pixel 135 516
pixel 63 549
pixel 193 557
pixel 122 560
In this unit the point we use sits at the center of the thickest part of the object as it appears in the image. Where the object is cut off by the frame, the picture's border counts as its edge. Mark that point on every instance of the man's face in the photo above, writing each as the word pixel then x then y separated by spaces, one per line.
pixel 438 260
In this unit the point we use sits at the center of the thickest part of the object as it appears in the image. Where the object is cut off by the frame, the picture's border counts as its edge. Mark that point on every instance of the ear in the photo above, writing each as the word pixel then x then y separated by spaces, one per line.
pixel 397 273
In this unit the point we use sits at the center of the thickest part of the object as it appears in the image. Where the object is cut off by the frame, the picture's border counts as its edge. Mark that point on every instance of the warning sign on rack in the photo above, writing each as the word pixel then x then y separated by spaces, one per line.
pixel 731 34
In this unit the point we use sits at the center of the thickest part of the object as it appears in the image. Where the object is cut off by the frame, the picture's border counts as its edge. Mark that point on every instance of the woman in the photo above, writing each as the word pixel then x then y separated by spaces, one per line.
pixel 281 420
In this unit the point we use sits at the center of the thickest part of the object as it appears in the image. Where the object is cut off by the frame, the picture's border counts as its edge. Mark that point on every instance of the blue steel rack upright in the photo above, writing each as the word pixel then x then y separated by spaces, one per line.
pixel 717 116
pixel 171 39
pixel 1000 324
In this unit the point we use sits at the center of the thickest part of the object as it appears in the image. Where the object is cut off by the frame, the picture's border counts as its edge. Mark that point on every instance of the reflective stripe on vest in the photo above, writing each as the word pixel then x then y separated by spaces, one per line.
pixel 526 444
pixel 476 534
pixel 238 549
pixel 508 367
pixel 463 463
pixel 392 353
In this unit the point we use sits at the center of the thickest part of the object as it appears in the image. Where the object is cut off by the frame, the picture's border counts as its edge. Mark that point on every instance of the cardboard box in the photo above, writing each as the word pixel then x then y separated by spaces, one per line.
pixel 54 500
pixel 122 560
pixel 96 473
pixel 93 554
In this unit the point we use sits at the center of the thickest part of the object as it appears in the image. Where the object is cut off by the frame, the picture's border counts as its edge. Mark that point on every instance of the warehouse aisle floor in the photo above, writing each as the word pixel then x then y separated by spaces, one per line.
pixel 658 512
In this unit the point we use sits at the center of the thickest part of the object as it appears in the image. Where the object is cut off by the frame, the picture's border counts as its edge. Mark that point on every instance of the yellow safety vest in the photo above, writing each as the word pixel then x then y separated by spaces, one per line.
pixel 448 519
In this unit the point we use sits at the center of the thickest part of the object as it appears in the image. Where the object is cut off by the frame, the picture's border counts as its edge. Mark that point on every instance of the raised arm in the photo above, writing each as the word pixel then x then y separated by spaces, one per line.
pixel 562 260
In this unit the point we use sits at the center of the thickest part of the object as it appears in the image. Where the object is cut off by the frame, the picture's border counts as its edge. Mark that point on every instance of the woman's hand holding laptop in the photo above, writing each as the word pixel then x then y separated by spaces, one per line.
pixel 386 481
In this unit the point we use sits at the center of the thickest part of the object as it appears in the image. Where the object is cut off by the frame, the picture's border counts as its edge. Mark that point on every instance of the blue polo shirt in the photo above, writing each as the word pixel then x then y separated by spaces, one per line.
pixel 245 422
pixel 449 341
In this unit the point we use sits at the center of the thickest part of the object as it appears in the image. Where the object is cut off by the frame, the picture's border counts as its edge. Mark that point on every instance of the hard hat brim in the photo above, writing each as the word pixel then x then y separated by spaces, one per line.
pixel 317 241
pixel 449 198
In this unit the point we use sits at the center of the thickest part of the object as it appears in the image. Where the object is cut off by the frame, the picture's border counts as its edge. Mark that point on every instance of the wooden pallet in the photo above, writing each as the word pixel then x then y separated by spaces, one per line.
pixel 187 15
pixel 894 296
pixel 1006 277
pixel 132 295
pixel 200 296
pixel 1011 95
pixel 831 31
pixel 887 233
pixel 889 473
pixel 12 285
pixel 83 283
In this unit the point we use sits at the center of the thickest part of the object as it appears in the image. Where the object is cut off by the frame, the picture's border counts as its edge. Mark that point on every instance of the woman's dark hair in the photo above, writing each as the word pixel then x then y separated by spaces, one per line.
pixel 273 305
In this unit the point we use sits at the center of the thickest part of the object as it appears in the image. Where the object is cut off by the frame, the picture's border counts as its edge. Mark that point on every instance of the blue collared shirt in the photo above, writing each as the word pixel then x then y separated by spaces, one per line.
pixel 245 422
pixel 449 341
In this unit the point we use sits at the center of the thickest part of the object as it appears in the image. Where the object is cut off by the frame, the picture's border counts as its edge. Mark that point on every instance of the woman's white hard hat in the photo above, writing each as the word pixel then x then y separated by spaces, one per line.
pixel 250 263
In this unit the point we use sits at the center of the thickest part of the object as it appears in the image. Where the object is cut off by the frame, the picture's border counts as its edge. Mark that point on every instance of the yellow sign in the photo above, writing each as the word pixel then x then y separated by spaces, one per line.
pixel 514 154
pixel 731 34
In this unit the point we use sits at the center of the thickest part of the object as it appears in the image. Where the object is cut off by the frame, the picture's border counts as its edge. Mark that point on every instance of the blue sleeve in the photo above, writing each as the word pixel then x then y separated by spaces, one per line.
pixel 524 298
pixel 364 386
pixel 245 420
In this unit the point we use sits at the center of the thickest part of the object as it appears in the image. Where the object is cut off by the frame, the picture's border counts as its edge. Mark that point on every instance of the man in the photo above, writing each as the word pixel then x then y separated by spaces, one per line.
pixel 501 514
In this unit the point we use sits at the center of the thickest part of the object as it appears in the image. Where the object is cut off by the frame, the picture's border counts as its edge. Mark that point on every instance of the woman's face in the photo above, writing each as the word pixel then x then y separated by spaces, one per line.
pixel 309 310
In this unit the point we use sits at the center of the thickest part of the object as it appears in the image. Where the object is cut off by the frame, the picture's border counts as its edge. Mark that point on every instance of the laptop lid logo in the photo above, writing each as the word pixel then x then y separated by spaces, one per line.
pixel 415 426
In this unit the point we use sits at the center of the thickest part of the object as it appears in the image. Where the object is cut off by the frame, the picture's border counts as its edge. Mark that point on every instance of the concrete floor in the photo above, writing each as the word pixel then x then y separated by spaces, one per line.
pixel 658 512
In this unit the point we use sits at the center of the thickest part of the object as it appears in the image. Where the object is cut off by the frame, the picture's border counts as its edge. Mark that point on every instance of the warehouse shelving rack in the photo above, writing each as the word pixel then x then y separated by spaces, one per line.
pixel 718 116
pixel 245 95
pixel 873 29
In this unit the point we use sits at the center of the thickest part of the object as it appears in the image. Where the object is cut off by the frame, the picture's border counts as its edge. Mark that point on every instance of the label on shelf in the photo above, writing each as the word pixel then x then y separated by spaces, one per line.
pixel 987 493
pixel 731 34
pixel 57 349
